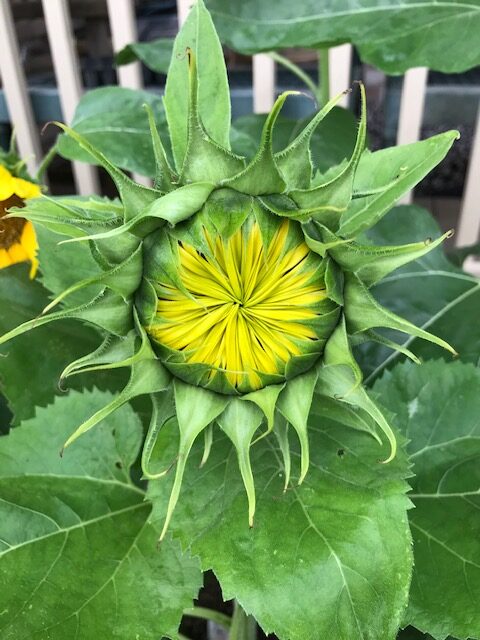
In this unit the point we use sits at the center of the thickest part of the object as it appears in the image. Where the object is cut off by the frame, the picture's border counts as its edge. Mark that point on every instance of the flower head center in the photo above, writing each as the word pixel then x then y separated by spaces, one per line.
pixel 242 308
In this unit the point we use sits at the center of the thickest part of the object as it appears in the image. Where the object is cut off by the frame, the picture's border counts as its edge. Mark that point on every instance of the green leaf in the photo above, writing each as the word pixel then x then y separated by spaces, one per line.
pixel 155 55
pixel 430 292
pixel 389 35
pixel 437 407
pixel 30 372
pixel 78 527
pixel 114 120
pixel 329 559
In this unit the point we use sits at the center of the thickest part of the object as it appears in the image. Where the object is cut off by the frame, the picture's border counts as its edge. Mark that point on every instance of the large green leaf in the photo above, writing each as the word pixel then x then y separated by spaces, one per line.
pixel 331 142
pixel 394 35
pixel 76 549
pixel 328 559
pixel 114 120
pixel 430 292
pixel 30 371
pixel 155 54
pixel 437 407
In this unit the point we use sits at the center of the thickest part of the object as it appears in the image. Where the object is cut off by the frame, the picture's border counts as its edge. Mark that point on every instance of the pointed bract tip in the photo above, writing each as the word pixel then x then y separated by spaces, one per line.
pixel 393 453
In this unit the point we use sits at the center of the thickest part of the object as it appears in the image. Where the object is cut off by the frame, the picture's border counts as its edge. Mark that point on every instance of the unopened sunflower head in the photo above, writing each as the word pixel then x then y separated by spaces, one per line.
pixel 18 242
pixel 235 289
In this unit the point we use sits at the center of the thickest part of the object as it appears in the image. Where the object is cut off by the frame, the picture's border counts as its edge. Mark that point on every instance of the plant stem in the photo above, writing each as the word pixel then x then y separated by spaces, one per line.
pixel 45 163
pixel 291 66
pixel 209 614
pixel 243 626
pixel 323 77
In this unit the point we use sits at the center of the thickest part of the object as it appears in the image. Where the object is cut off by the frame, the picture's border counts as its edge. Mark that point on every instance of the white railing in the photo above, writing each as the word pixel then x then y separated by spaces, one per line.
pixel 123 29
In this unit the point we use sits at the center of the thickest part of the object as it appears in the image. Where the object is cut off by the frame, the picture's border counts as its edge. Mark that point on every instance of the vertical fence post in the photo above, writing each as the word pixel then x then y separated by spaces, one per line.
pixel 340 63
pixel 123 27
pixel 469 224
pixel 411 111
pixel 263 72
pixel 183 7
pixel 16 93
pixel 65 62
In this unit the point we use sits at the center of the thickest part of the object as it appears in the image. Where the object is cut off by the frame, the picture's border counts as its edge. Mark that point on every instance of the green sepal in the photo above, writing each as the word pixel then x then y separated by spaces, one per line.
pixel 373 336
pixel 107 310
pixel 162 261
pixel 262 176
pixel 196 408
pixel 371 263
pixel 266 400
pixel 320 239
pixel 107 355
pixel 346 414
pixel 198 34
pixel 336 194
pixel 338 381
pixel 334 280
pixel 113 353
pixel 239 421
pixel 162 412
pixel 267 223
pixel 124 279
pixel 214 214
pixel 64 216
pixel 338 352
pixel 165 177
pixel 204 160
pixel 281 433
pixel 148 376
pixel 363 312
pixel 295 161
pixel 294 404
pixel 207 444
pixel 397 169
pixel 135 197
pixel 173 207
pixel 146 302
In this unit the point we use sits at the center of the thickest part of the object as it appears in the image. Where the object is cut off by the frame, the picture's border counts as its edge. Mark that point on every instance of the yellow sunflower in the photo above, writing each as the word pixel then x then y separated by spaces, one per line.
pixel 18 242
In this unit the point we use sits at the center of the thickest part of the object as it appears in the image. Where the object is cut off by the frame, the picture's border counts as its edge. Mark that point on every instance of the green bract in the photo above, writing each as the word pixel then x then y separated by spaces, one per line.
pixel 207 192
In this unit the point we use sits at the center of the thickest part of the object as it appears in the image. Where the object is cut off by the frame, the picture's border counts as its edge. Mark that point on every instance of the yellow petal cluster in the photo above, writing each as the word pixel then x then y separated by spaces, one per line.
pixel 18 242
pixel 243 309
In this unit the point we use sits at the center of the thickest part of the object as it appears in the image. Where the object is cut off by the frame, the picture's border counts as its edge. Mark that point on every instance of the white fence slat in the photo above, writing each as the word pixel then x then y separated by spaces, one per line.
pixel 340 67
pixel 411 111
pixel 16 94
pixel 263 72
pixel 183 7
pixel 469 224
pixel 123 27
pixel 62 46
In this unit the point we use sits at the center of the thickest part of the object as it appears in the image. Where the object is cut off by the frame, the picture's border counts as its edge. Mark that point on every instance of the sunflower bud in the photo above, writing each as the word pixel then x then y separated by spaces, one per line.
pixel 233 289
pixel 240 307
